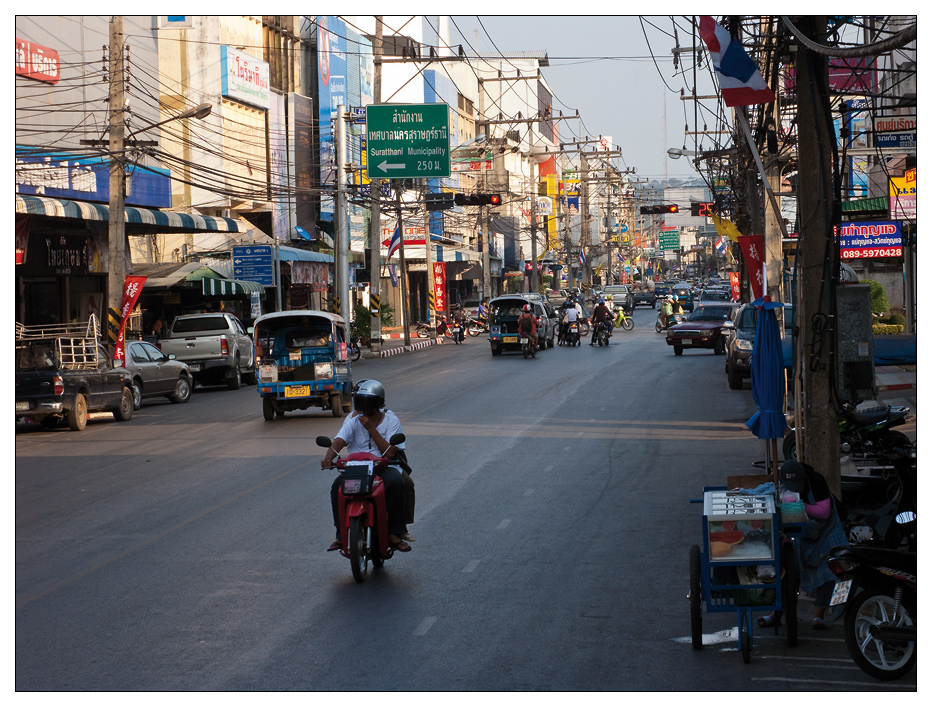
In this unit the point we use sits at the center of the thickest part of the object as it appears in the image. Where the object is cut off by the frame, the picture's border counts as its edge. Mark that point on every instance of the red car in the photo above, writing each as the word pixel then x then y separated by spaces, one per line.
pixel 702 328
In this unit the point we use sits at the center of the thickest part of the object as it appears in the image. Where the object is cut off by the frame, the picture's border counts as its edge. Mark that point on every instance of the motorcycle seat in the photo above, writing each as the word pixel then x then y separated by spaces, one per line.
pixel 895 559
pixel 867 416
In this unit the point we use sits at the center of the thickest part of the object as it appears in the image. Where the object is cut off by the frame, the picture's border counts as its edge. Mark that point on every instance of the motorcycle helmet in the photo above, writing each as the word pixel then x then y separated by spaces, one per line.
pixel 527 308
pixel 601 300
pixel 368 397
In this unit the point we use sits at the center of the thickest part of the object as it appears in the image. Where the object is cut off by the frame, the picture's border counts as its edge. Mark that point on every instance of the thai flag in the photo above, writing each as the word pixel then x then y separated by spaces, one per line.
pixel 720 245
pixel 740 81
pixel 395 243
pixel 582 257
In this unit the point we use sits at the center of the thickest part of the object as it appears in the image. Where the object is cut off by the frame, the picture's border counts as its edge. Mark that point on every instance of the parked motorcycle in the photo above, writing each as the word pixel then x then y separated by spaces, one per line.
pixel 362 509
pixel 864 432
pixel 452 329
pixel 355 351
pixel 664 323
pixel 880 511
pixel 474 326
pixel 878 589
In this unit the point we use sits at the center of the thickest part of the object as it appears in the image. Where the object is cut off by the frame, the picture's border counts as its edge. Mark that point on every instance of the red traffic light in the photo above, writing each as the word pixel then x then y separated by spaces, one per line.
pixel 672 208
pixel 478 199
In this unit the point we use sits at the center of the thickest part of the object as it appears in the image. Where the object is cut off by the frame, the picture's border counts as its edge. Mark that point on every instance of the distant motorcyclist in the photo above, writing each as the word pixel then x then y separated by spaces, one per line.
pixel 569 312
pixel 601 314
pixel 527 325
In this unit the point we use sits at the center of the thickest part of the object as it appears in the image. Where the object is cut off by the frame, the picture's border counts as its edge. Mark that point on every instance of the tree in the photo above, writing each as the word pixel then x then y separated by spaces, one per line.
pixel 879 301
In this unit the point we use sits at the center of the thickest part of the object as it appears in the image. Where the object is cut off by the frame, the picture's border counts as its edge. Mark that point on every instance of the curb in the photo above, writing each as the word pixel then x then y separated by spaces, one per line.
pixel 407 349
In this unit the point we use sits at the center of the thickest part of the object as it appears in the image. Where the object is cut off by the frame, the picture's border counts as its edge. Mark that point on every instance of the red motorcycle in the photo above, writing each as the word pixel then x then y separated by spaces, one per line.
pixel 362 509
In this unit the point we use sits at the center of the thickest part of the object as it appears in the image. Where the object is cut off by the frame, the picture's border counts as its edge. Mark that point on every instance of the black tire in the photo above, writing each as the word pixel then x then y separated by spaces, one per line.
pixel 789 446
pixel 695 596
pixel 496 352
pixel 124 413
pixel 251 377
pixel 719 347
pixel 474 330
pixel 77 415
pixel 336 404
pixel 790 593
pixel 735 381
pixel 745 645
pixel 677 350
pixel 359 559
pixel 137 394
pixel 525 350
pixel 235 382
pixel 183 390
pixel 627 323
pixel 584 329
pixel 894 440
pixel 268 411
pixel 357 353
pixel 658 327
pixel 422 332
pixel 883 660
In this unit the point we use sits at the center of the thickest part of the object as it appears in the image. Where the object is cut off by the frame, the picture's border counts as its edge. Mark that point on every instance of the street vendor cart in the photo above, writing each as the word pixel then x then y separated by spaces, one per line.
pixel 746 563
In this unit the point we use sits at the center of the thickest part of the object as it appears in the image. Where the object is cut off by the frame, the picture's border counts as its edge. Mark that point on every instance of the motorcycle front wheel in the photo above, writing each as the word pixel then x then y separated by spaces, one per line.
pixel 422 332
pixel 881 659
pixel 627 324
pixel 474 330
pixel 359 558
pixel 658 327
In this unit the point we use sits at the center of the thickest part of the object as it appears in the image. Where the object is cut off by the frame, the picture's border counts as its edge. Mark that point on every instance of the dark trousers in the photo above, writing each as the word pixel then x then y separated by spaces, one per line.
pixel 394 500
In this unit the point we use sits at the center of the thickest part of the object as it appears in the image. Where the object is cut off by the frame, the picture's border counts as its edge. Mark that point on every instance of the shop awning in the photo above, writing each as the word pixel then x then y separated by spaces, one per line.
pixel 137 219
pixel 875 204
pixel 165 274
pixel 291 254
pixel 215 286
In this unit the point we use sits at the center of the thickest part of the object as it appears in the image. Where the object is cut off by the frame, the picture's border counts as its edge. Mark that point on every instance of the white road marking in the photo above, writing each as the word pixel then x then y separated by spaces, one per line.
pixel 424 626
pixel 504 524
pixel 471 565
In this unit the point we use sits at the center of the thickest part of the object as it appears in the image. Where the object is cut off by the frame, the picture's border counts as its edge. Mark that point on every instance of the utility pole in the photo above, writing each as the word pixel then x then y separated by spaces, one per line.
pixel 816 411
pixel 399 187
pixel 341 222
pixel 117 198
pixel 375 212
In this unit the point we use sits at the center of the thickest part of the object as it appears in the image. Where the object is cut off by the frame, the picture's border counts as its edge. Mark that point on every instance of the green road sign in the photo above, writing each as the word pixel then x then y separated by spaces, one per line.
pixel 407 141
pixel 670 240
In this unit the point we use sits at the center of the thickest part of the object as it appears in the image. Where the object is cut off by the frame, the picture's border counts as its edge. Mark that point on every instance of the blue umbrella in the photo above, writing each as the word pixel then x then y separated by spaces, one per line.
pixel 767 377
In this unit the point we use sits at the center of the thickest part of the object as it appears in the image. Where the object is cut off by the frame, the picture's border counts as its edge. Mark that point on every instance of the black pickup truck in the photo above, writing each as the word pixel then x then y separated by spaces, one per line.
pixel 63 373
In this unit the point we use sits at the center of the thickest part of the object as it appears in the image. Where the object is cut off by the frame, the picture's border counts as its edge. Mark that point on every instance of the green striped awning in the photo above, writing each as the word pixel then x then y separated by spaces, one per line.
pixel 149 220
pixel 214 286
pixel 875 204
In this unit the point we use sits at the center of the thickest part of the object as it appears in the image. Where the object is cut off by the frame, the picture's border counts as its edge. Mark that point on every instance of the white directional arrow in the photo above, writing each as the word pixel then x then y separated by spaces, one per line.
pixel 385 166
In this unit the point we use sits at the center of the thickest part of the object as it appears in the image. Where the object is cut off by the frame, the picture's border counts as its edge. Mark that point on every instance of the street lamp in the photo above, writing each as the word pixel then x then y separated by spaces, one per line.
pixel 200 112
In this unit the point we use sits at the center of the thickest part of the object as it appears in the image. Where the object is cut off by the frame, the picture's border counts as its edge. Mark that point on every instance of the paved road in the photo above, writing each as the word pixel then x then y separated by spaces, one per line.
pixel 185 549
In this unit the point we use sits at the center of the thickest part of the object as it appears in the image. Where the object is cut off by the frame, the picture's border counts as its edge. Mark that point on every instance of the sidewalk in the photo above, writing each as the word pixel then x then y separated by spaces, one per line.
pixel 393 343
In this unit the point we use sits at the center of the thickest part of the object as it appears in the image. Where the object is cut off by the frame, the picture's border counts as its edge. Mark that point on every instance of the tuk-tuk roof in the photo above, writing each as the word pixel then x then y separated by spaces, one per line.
pixel 267 318
pixel 510 297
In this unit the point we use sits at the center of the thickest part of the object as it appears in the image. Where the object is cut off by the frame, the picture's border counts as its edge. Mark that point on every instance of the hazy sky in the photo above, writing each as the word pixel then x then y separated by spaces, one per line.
pixel 602 66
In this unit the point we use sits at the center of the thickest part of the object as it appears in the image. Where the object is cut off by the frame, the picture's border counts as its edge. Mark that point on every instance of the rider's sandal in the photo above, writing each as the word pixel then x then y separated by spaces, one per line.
pixel 408 537
pixel 818 624
pixel 401 546
pixel 335 545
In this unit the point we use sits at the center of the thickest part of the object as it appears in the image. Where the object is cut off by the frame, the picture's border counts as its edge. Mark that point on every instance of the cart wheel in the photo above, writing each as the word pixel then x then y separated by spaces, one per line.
pixel 695 596
pixel 745 646
pixel 790 592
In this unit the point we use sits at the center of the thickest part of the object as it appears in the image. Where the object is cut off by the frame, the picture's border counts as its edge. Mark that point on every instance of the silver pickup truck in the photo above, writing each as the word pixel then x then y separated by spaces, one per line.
pixel 215 346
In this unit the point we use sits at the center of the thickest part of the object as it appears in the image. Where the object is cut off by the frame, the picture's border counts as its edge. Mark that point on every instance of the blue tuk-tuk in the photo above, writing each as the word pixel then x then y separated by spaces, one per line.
pixel 302 361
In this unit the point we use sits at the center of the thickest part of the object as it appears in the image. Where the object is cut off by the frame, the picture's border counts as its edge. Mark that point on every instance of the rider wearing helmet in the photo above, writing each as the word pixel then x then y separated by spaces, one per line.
pixel 527 325
pixel 600 314
pixel 368 429
pixel 569 312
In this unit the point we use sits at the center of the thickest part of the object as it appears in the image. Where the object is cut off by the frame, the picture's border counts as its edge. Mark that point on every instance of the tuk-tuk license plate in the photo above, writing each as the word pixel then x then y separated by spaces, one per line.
pixel 297 391
pixel 510 340
pixel 840 593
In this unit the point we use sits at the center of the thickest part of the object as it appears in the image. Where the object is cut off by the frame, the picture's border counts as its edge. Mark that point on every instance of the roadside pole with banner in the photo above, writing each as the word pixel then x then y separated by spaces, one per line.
pixel 132 287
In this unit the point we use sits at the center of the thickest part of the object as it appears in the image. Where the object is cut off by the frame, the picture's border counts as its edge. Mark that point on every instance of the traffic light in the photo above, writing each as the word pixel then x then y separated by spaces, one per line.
pixel 478 199
pixel 438 201
pixel 660 209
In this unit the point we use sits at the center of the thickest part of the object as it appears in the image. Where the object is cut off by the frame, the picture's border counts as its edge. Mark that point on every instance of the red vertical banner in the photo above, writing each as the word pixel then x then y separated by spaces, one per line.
pixel 132 287
pixel 752 248
pixel 735 286
pixel 440 286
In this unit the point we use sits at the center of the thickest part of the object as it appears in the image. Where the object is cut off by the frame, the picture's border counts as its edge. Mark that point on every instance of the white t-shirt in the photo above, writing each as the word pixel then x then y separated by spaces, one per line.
pixel 358 439
pixel 570 314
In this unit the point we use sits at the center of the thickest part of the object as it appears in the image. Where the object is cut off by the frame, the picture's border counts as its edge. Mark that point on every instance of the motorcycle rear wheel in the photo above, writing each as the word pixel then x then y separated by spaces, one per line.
pixel 359 558
pixel 658 327
pixel 474 330
pixel 884 660
pixel 422 332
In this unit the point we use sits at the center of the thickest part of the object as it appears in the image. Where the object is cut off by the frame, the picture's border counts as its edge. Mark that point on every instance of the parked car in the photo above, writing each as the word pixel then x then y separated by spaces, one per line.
pixel 702 329
pixel 683 296
pixel 739 341
pixel 216 347
pixel 156 374
pixel 503 329
pixel 63 373
pixel 621 296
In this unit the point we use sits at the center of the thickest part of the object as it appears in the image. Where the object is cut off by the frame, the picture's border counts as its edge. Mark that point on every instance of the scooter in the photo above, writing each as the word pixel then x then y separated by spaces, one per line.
pixel 662 324
pixel 362 508
pixel 602 334
pixel 474 327
pixel 528 346
pixel 877 587
pixel 864 432
pixel 624 319
pixel 571 336
pixel 880 511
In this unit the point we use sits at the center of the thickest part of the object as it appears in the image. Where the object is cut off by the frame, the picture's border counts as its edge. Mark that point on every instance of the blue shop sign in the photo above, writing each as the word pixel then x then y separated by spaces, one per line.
pixel 65 176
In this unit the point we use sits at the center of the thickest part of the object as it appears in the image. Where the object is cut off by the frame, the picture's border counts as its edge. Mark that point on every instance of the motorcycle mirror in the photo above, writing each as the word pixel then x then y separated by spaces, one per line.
pixel 396 439
pixel 905 518
pixel 323 441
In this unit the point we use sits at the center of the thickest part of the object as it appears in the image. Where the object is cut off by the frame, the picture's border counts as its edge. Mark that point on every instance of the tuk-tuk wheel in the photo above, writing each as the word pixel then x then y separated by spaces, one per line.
pixel 268 411
pixel 336 404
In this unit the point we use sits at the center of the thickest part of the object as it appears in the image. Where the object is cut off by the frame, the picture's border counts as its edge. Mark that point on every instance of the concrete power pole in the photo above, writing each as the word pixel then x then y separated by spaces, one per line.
pixel 116 226
pixel 375 212
pixel 816 414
